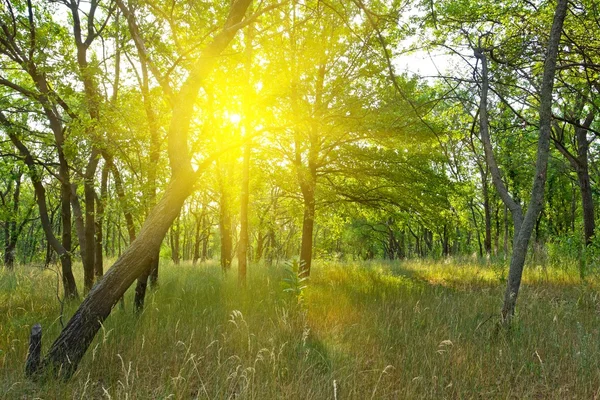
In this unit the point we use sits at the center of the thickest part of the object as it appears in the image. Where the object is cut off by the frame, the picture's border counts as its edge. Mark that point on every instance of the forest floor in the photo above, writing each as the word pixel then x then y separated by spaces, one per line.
pixel 371 330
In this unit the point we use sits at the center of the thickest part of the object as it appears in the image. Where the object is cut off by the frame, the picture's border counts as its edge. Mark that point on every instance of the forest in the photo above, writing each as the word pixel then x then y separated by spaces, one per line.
pixel 316 199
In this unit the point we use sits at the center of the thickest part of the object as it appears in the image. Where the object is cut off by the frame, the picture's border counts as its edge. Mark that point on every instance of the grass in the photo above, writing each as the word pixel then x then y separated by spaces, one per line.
pixel 362 331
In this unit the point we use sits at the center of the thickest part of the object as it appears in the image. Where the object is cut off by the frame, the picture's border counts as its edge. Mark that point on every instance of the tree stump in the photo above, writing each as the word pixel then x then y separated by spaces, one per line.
pixel 32 365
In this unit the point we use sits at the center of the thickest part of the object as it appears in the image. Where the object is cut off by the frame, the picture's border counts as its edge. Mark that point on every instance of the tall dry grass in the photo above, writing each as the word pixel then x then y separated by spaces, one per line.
pixel 362 331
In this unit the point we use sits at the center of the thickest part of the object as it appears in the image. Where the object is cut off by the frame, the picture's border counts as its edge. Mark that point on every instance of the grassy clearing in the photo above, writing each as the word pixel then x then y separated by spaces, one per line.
pixel 366 331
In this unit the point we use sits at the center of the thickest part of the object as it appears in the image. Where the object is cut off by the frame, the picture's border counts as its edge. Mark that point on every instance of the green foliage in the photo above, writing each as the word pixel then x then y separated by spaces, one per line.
pixel 293 282
pixel 569 252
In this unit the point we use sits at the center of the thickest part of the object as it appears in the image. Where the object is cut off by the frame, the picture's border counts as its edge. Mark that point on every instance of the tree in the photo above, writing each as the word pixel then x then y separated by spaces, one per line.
pixel 22 53
pixel 524 225
pixel 67 350
pixel 14 220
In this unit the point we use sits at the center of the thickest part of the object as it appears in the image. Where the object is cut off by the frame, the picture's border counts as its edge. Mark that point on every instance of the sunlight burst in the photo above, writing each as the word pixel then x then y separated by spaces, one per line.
pixel 235 118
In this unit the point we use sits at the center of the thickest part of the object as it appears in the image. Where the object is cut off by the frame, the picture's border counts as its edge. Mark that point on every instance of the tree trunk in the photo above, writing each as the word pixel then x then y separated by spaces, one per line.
pixel 32 365
pixel 79 224
pixel 88 269
pixel 487 241
pixel 90 222
pixel 198 229
pixel 244 199
pixel 308 223
pixel 506 227
pixel 11 230
pixel 142 283
pixel 121 195
pixel 205 244
pixel 248 101
pixel 174 235
pixel 99 260
pixel 69 284
pixel 583 175
pixel 154 270
pixel 390 245
pixel 70 346
pixel 536 203
pixel 587 202
pixel 476 229
pixel 445 242
pixel 225 231
pixel 497 230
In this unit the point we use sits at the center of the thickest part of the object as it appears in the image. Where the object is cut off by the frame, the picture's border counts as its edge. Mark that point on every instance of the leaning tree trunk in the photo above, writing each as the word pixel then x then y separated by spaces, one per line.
pixel 67 351
pixel 70 346
pixel 536 202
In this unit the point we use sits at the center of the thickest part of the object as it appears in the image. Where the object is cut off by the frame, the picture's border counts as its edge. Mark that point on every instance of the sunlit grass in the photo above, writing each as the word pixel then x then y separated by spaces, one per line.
pixel 378 330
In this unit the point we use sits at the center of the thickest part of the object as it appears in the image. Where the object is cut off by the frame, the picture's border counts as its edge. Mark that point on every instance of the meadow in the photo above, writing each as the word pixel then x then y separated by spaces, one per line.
pixel 364 330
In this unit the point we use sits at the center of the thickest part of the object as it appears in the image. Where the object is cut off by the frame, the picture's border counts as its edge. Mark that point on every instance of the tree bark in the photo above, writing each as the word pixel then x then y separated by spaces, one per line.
pixel 65 255
pixel 85 246
pixel 589 223
pixel 69 348
pixel 308 223
pixel 90 222
pixel 198 229
pixel 32 365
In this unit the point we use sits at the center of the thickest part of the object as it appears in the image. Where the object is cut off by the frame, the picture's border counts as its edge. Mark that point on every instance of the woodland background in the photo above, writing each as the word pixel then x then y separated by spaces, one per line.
pixel 256 137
